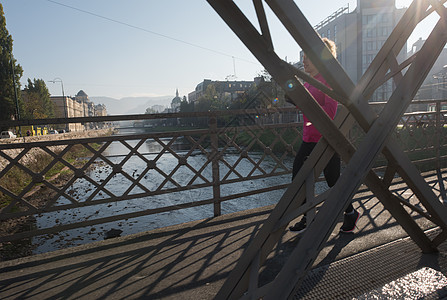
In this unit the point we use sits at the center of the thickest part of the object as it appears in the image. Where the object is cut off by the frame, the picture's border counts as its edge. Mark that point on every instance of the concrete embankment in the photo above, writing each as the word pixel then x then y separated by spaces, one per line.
pixel 30 156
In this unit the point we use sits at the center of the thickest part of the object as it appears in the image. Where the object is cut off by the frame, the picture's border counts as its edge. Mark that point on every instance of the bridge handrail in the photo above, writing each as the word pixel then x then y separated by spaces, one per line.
pixel 224 147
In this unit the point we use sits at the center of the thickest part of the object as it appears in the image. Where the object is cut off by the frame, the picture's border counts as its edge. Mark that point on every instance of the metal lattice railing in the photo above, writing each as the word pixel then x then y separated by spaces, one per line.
pixel 207 163
pixel 213 165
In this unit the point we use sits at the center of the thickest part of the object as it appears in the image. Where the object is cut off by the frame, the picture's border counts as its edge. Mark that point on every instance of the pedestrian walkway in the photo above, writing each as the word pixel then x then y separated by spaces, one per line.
pixel 192 260
pixel 396 270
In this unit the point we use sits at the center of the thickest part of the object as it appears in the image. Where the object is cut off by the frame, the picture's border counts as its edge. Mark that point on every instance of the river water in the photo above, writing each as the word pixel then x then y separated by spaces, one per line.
pixel 82 189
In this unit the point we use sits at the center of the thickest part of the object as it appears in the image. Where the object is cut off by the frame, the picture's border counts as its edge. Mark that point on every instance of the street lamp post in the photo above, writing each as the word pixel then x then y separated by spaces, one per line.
pixel 57 79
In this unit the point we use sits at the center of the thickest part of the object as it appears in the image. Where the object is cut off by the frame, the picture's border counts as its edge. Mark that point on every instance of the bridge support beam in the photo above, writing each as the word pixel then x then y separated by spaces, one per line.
pixel 243 280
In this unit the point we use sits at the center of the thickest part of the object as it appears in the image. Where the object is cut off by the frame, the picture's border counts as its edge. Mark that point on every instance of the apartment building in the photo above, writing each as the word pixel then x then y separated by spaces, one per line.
pixel 360 34
pixel 226 89
pixel 78 106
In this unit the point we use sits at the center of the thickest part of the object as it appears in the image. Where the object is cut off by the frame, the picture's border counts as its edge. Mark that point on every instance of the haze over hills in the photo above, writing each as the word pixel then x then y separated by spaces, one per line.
pixel 131 105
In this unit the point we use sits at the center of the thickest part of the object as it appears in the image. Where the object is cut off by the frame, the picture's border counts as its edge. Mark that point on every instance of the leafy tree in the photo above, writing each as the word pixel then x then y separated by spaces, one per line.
pixel 265 94
pixel 211 100
pixel 150 110
pixel 8 67
pixel 37 100
pixel 150 122
pixel 186 107
pixel 265 74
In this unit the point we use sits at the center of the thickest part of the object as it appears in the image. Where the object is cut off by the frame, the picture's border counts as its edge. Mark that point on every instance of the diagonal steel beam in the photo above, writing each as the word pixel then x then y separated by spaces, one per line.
pixel 375 133
pixel 331 70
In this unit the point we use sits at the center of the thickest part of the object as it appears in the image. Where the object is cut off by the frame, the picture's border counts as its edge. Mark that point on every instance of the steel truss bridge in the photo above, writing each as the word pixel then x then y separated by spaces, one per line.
pixel 378 144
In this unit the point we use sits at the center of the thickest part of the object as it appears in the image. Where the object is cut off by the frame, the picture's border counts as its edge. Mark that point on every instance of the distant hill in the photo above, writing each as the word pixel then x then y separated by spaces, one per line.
pixel 131 105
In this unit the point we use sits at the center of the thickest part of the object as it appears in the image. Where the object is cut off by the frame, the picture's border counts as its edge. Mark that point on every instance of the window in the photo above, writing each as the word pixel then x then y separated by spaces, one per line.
pixel 371 32
pixel 329 34
pixel 335 33
pixel 339 57
pixel 367 59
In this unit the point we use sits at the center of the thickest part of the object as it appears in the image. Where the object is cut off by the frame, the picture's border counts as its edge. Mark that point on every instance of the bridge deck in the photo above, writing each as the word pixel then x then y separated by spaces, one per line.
pixel 191 261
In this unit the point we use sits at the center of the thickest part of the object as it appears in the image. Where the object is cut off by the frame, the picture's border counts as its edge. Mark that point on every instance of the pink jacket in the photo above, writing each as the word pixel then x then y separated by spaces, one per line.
pixel 310 133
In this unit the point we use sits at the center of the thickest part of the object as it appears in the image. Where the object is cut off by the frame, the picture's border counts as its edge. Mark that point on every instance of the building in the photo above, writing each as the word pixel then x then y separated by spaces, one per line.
pixel 75 107
pixel 60 106
pixel 158 108
pixel 435 83
pixel 175 103
pixel 199 91
pixel 360 34
pixel 100 110
pixel 67 107
pixel 87 106
pixel 225 89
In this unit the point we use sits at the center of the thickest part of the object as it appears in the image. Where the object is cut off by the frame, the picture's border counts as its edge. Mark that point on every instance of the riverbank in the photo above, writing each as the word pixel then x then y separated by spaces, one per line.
pixel 31 155
pixel 15 179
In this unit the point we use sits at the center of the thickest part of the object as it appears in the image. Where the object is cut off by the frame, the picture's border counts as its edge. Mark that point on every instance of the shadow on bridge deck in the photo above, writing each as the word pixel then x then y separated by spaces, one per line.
pixel 192 260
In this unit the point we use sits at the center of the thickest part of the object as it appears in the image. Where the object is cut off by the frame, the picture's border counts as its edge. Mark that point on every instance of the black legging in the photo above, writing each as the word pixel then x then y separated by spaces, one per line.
pixel 331 171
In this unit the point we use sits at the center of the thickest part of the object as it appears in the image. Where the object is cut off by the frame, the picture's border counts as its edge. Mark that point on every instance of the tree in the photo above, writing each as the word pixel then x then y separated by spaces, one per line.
pixel 150 110
pixel 211 100
pixel 186 107
pixel 8 67
pixel 265 74
pixel 37 100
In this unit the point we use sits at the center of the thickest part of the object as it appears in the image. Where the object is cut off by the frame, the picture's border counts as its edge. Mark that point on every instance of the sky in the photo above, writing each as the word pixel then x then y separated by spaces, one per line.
pixel 118 48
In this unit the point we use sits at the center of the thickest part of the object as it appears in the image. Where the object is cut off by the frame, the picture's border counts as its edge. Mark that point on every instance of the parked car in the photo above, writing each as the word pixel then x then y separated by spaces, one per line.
pixel 7 135
pixel 53 132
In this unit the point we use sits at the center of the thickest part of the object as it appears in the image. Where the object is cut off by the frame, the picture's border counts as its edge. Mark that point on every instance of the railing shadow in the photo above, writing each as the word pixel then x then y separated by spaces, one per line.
pixel 188 261
pixel 154 264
